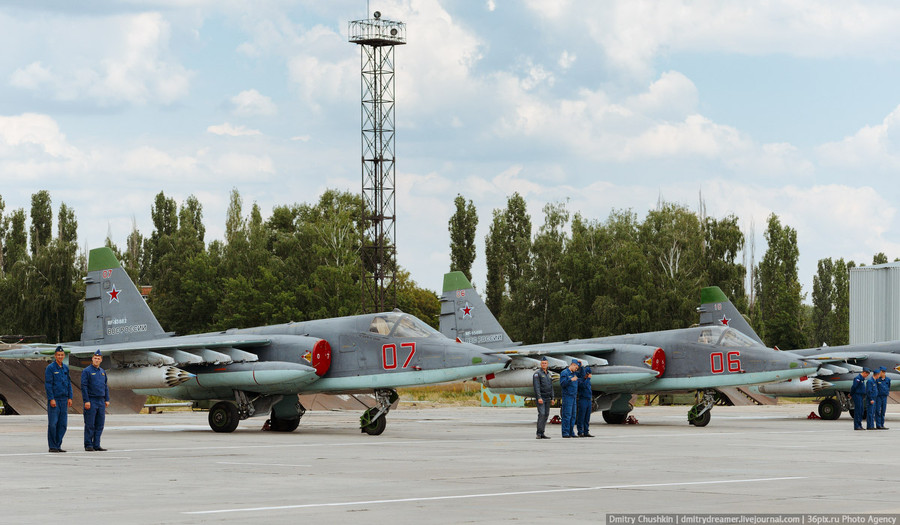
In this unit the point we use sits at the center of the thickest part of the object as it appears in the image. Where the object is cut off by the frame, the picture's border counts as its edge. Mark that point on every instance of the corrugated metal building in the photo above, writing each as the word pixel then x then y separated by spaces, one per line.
pixel 875 303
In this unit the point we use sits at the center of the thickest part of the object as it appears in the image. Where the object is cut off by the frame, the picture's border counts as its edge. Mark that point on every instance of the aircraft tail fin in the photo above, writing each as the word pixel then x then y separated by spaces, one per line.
pixel 114 311
pixel 464 315
pixel 717 309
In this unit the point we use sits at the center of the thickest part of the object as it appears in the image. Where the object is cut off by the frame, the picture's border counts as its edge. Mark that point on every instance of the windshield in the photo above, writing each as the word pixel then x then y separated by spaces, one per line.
pixel 706 337
pixel 400 325
pixel 735 338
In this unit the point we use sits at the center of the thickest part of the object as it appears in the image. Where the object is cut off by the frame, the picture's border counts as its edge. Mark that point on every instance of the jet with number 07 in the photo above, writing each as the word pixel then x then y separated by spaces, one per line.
pixel 697 359
pixel 260 371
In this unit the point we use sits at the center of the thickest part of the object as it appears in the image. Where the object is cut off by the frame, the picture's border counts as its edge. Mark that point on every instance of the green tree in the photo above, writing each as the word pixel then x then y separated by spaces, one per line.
pixel 823 292
pixel 16 244
pixel 778 289
pixel 879 258
pixel 840 326
pixel 41 221
pixel 723 241
pixel 495 260
pixel 462 228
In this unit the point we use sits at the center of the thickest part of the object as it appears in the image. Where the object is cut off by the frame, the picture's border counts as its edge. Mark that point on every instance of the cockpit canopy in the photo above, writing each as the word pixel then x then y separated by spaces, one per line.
pixel 724 337
pixel 397 324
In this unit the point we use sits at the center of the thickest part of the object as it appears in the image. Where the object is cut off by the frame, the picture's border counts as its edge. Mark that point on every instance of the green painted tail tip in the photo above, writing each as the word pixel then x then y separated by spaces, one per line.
pixel 456 281
pixel 102 259
pixel 712 294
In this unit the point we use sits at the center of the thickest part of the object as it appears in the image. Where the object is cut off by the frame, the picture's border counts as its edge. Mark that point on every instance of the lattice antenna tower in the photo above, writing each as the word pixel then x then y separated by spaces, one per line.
pixel 376 38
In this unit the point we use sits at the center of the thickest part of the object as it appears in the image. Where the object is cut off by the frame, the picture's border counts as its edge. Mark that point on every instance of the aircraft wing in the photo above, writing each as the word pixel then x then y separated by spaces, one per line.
pixel 551 349
pixel 162 351
pixel 834 357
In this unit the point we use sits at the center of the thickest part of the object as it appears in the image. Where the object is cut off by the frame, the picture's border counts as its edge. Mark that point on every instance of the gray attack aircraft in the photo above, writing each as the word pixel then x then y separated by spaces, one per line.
pixel 689 359
pixel 839 364
pixel 259 371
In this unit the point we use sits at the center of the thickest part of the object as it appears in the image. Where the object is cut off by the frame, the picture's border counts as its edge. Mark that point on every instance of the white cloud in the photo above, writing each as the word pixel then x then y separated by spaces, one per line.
pixel 108 60
pixel 872 147
pixel 250 103
pixel 232 130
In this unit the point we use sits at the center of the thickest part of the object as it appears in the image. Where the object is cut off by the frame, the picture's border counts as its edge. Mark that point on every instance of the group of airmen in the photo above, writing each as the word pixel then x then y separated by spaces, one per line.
pixel 870 391
pixel 577 398
pixel 94 393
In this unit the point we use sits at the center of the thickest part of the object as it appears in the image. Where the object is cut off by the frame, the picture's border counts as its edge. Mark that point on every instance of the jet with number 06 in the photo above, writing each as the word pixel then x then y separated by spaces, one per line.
pixel 838 364
pixel 260 371
pixel 697 359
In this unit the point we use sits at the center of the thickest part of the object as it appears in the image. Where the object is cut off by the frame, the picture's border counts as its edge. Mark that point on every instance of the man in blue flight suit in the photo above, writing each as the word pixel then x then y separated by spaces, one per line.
pixel 871 397
pixel 884 390
pixel 858 394
pixel 95 393
pixel 585 399
pixel 59 399
pixel 568 383
pixel 543 395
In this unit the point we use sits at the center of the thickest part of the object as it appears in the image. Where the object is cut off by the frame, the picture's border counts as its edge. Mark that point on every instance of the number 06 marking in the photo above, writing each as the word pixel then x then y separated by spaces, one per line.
pixel 718 361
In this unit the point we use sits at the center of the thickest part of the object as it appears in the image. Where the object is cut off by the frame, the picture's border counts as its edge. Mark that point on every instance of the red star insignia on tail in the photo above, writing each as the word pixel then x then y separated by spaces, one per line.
pixel 467 311
pixel 113 295
pixel 724 320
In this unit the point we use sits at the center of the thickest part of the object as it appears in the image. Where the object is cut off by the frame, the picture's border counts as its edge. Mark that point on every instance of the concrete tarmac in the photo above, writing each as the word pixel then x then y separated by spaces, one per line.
pixel 448 465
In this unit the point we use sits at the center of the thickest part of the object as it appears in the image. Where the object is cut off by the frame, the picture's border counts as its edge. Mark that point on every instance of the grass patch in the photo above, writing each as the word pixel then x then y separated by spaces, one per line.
pixel 467 393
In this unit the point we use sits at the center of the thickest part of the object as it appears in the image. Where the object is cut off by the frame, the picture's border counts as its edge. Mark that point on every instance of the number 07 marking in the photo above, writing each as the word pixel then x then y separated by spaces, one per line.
pixel 389 355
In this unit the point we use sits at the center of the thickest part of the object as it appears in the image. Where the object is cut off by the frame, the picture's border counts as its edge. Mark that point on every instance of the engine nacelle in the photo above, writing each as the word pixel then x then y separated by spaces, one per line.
pixel 509 379
pixel 146 377
pixel 795 387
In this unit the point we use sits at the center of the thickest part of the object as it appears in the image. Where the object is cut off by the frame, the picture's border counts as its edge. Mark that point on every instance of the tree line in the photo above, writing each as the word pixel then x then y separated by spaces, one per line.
pixel 574 278
pixel 302 263
pixel 580 278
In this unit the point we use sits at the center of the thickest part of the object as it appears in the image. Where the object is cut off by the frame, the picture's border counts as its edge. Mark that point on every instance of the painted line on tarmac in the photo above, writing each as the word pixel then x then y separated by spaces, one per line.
pixel 491 495
pixel 260 464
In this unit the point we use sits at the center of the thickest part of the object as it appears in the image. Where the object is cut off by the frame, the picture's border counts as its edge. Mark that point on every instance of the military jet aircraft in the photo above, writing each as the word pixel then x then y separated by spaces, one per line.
pixel 689 359
pixel 839 364
pixel 258 371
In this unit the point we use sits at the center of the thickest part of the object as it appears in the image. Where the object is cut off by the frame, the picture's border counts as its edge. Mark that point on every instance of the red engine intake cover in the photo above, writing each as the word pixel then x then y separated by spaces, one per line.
pixel 321 357
pixel 659 362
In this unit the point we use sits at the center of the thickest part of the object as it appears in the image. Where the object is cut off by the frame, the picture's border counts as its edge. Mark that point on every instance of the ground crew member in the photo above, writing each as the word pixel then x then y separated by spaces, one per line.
pixel 585 399
pixel 884 390
pixel 568 383
pixel 59 399
pixel 858 394
pixel 871 396
pixel 543 396
pixel 95 393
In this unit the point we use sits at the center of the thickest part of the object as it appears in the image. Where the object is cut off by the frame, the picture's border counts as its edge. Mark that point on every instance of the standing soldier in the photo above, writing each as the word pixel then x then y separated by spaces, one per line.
pixel 884 390
pixel 59 399
pixel 871 397
pixel 858 393
pixel 543 395
pixel 95 393
pixel 568 383
pixel 585 399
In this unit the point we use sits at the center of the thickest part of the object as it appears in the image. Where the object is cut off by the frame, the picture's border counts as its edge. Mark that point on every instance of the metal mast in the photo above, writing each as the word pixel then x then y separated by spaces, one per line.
pixel 377 37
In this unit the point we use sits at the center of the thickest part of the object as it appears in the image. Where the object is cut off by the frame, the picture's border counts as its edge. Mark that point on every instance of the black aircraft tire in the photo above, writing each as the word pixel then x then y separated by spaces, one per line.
pixel 375 428
pixel 614 418
pixel 223 417
pixel 701 420
pixel 830 409
pixel 283 425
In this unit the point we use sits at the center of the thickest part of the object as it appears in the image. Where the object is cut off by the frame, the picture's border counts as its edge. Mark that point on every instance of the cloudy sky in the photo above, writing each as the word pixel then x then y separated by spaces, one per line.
pixel 789 107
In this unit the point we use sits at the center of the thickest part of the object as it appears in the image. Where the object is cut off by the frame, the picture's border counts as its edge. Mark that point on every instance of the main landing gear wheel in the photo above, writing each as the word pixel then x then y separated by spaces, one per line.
pixel 614 418
pixel 699 420
pixel 700 414
pixel 830 408
pixel 223 417
pixel 283 425
pixel 375 426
